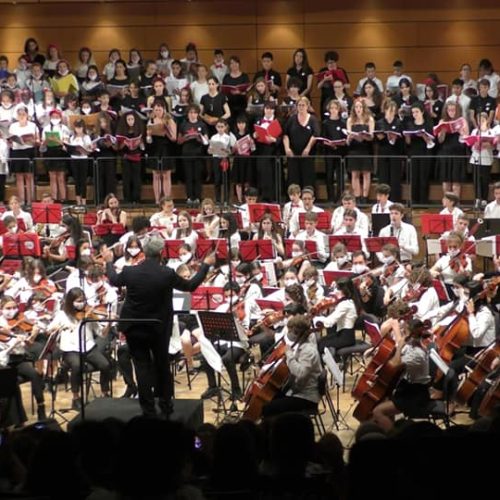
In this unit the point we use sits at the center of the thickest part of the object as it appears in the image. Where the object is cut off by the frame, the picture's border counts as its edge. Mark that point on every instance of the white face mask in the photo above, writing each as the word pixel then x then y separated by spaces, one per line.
pixel 453 253
pixel 37 278
pixel 13 229
pixel 358 268
pixel 341 261
pixel 55 121
pixel 38 307
pixel 259 276
pixel 290 281
pixel 185 257
pixel 79 305
pixel 6 105
pixel 64 72
pixel 134 251
pixel 387 260
pixel 310 282
pixel 85 251
pixel 240 280
pixel 165 54
pixel 92 78
pixel 296 254
pixel 86 111
pixel 9 313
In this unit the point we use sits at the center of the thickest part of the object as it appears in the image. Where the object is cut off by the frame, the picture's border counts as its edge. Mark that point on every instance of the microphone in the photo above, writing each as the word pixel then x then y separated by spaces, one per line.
pixel 392 230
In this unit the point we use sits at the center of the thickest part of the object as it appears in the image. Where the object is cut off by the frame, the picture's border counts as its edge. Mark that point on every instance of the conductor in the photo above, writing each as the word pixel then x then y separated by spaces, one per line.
pixel 149 296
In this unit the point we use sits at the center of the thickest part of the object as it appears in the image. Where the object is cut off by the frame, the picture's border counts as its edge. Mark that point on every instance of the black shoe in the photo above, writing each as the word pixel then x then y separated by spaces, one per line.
pixel 76 404
pixel 167 409
pixel 210 393
pixel 236 394
pixel 246 363
pixel 130 392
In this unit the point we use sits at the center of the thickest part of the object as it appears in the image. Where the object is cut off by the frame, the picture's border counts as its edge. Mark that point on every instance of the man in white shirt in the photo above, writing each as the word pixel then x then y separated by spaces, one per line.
pixel 310 233
pixel 308 200
pixel 450 201
pixel 251 196
pixel 370 72
pixel 405 233
pixel 492 210
pixel 392 84
pixel 349 203
pixel 349 228
pixel 383 204
pixel 486 71
pixel 457 96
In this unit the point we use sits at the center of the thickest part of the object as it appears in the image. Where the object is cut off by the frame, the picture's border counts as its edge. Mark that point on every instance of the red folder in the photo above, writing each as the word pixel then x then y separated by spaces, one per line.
pixel 450 127
pixel 204 247
pixel 275 305
pixel 476 140
pixel 21 245
pixel 274 130
pixel 310 246
pixel 90 219
pixel 20 224
pixel 330 142
pixel 440 288
pixel 352 242
pixel 376 243
pixel 10 266
pixel 131 142
pixel 257 210
pixel 207 298
pixel 436 223
pixel 331 276
pixel 373 331
pixel 231 89
pixel 337 74
pixel 46 213
pixel 244 146
pixel 239 219
pixel 70 252
pixel 171 249
pixel 256 250
pixel 107 228
pixel 324 220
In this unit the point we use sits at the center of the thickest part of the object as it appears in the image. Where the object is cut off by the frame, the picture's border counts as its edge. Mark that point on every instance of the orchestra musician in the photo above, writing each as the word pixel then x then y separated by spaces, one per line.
pixel 304 364
pixel 412 392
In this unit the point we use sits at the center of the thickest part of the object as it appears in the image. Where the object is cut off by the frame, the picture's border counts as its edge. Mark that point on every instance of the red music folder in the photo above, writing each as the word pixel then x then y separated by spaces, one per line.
pixel 436 223
pixel 274 130
pixel 337 74
pixel 21 245
pixel 476 140
pixel 207 298
pixel 244 146
pixel 323 223
pixel 204 247
pixel 90 219
pixel 20 224
pixel 440 288
pixel 331 142
pixel 131 142
pixel 108 228
pixel 46 213
pixel 71 252
pixel 11 266
pixel 331 276
pixel 376 243
pixel 450 127
pixel 232 89
pixel 373 331
pixel 171 249
pixel 311 248
pixel 352 242
pixel 257 210
pixel 256 250
pixel 275 305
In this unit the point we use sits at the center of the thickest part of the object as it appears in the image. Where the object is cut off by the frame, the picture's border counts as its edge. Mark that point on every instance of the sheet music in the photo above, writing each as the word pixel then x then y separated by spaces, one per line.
pixel 438 361
pixel 333 367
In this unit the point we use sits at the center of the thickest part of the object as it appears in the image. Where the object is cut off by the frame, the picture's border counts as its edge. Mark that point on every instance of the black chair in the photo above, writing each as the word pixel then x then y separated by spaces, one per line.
pixel 348 355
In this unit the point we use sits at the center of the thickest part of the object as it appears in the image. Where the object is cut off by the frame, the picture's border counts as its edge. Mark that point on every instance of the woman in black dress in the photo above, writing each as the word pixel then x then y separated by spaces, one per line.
pixel 405 100
pixel 236 98
pixel 360 127
pixel 300 69
pixel 298 142
pixel 452 170
pixel 432 104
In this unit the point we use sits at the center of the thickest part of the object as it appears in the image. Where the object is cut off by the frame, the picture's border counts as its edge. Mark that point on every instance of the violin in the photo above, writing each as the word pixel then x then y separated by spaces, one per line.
pixel 459 264
pixel 21 323
pixel 92 312
pixel 138 259
pixel 46 287
pixel 414 294
pixel 324 305
pixel 268 321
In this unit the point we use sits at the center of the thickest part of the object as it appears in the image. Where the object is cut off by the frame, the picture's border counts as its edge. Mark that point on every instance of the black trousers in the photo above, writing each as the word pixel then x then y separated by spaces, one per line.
pixel 288 404
pixel 80 171
pixel 301 171
pixel 96 360
pixel 106 172
pixel 483 179
pixel 125 365
pixel 229 359
pixel 132 181
pixel 3 178
pixel 333 171
pixel 267 174
pixel 420 171
pixel 337 340
pixel 26 371
pixel 390 172
pixel 193 168
pixel 149 350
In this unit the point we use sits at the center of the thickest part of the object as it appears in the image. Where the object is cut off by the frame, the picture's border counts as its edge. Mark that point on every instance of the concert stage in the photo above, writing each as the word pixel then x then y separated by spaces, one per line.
pixel 188 411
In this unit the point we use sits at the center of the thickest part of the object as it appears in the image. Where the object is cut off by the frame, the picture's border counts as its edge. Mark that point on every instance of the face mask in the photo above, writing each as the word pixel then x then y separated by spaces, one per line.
pixel 240 280
pixel 296 254
pixel 85 251
pixel 9 313
pixel 92 78
pixel 165 54
pixel 64 73
pixel 37 278
pixel 134 251
pixel 86 111
pixel 358 268
pixel 6 105
pixel 341 261
pixel 310 282
pixel 55 121
pixel 387 260
pixel 290 281
pixel 258 277
pixel 78 305
pixel 453 253
pixel 38 307
pixel 185 257
pixel 13 229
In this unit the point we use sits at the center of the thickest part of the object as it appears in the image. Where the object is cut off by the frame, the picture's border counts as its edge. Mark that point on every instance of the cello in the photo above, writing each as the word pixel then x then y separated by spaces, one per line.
pixel 482 368
pixel 491 399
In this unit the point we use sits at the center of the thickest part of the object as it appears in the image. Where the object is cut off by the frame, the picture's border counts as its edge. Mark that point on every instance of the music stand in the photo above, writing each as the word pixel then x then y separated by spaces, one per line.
pixel 310 246
pixel 251 250
pixel 379 221
pixel 206 298
pixel 331 276
pixel 492 228
pixel 204 247
pixel 216 327
pixel 46 213
pixel 323 223
pixel 48 350
pixel 21 245
pixel 351 241
pixel 436 223
pixel 257 210
pixel 171 249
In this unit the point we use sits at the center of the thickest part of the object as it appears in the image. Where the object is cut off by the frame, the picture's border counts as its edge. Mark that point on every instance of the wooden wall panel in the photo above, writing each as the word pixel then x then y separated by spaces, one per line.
pixel 431 35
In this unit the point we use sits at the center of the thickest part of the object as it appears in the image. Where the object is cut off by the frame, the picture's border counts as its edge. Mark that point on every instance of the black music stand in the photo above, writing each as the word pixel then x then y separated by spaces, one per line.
pixel 379 221
pixel 220 326
pixel 48 350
